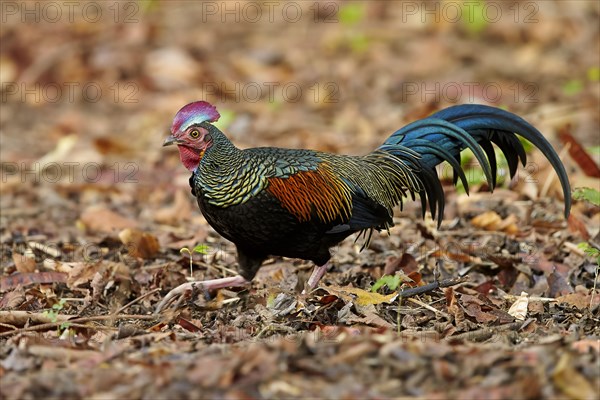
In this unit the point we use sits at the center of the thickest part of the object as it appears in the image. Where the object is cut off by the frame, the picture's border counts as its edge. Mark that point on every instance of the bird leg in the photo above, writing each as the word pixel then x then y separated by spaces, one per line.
pixel 315 277
pixel 211 284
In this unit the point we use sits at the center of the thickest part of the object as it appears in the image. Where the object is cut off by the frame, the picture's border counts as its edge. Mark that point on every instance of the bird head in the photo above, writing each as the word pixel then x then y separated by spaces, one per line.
pixel 191 132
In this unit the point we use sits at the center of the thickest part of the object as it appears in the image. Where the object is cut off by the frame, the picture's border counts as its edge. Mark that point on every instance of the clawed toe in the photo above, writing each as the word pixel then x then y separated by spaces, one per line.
pixel 208 285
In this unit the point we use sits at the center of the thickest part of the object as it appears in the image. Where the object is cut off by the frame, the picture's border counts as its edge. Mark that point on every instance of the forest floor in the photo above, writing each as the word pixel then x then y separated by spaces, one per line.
pixel 98 223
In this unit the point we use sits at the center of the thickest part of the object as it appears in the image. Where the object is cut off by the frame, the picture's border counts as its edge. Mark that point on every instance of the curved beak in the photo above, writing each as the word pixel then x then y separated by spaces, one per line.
pixel 172 140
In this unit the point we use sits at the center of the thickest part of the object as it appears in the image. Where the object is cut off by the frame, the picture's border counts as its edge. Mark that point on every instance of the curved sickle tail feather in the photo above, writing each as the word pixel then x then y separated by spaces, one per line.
pixel 443 135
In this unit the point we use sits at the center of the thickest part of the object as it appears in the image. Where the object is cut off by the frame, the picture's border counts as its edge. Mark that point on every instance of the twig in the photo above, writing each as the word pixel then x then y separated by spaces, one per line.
pixel 574 248
pixel 17 317
pixel 485 333
pixel 77 321
pixel 512 297
pixel 550 177
pixel 424 256
pixel 432 286
pixel 61 353
pixel 427 306
pixel 220 268
pixel 120 310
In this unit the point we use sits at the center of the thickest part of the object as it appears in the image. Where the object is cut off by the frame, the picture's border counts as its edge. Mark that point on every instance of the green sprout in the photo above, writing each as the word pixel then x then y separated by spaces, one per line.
pixel 52 314
pixel 593 74
pixel 227 117
pixel 391 281
pixel 587 194
pixel 592 196
pixel 473 18
pixel 352 13
pixel 201 248
pixel 572 87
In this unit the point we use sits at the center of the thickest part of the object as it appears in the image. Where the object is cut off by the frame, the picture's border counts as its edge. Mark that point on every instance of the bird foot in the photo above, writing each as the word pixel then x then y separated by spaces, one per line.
pixel 315 277
pixel 212 284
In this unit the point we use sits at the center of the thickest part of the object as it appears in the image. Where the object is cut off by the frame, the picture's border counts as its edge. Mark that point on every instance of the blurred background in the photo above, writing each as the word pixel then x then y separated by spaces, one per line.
pixel 89 89
pixel 95 214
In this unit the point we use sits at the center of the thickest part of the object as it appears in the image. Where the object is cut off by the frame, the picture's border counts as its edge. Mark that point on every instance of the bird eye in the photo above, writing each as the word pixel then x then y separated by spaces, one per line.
pixel 195 133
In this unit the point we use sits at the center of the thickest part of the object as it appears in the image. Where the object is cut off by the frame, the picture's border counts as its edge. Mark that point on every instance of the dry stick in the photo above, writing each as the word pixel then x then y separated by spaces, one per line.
pixel 427 306
pixel 78 321
pixel 550 177
pixel 428 288
pixel 485 333
pixel 120 310
pixel 18 317
pixel 61 353
pixel 432 286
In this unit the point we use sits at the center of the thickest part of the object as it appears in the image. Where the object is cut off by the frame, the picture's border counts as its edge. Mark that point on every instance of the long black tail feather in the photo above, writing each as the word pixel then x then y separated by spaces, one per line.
pixel 443 135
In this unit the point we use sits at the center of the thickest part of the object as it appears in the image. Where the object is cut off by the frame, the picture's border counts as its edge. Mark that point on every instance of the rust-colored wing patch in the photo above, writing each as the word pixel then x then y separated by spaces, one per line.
pixel 313 193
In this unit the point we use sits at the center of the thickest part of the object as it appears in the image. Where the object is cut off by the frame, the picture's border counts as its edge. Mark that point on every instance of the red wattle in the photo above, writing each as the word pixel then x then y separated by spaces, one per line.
pixel 189 157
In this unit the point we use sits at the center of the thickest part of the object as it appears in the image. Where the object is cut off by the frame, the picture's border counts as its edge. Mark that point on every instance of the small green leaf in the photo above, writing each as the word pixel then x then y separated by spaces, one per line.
pixel 351 13
pixel 472 17
pixel 65 325
pixel 583 246
pixel 359 43
pixel 201 248
pixel 593 74
pixel 227 117
pixel 594 150
pixel 590 251
pixel 572 87
pixel 391 281
pixel 588 194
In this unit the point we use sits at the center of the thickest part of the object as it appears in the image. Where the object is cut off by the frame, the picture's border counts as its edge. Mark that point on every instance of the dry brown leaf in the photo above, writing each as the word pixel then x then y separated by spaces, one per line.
pixel 199 237
pixel 570 381
pixel 179 211
pixel 460 257
pixel 24 263
pixel 139 244
pixel 577 299
pixel 576 225
pixel 579 154
pixel 519 307
pixel 362 297
pixel 558 285
pixel 101 219
pixel 15 280
pixel 491 221
pixel 482 309
pixel 454 308
pixel 12 299
pixel 474 310
pixel 488 220
pixel 59 266
pixel 111 145
pixel 82 273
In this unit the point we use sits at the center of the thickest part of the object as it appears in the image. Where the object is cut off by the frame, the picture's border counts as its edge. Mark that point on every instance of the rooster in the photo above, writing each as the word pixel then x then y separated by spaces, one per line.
pixel 299 203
